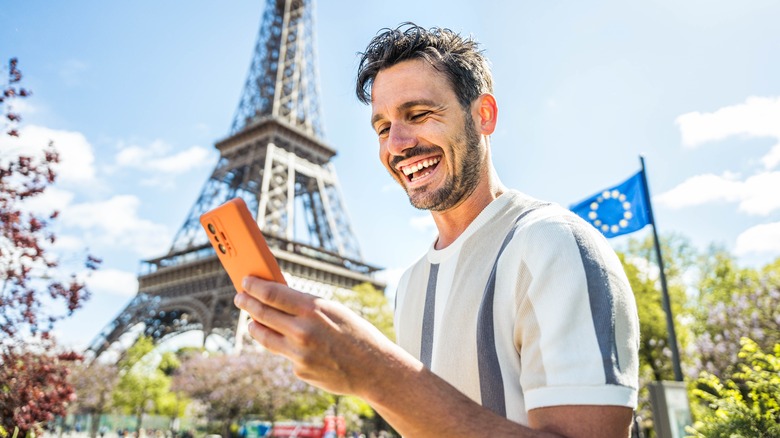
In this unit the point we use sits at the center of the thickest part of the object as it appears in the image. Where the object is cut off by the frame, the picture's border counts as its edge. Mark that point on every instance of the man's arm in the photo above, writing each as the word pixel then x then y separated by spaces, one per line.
pixel 334 349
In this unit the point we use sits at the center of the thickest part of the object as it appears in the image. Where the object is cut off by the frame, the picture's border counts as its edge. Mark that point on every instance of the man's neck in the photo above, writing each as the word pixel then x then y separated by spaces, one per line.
pixel 453 222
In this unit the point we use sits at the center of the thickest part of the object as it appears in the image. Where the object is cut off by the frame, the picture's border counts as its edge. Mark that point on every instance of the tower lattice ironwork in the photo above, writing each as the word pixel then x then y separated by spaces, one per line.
pixel 276 160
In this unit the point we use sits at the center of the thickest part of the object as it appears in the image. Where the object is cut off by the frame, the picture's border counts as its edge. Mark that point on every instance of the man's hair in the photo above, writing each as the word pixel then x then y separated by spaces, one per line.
pixel 458 58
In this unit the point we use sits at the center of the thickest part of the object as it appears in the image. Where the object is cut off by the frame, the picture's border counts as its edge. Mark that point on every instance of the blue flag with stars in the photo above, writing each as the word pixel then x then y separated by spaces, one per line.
pixel 617 210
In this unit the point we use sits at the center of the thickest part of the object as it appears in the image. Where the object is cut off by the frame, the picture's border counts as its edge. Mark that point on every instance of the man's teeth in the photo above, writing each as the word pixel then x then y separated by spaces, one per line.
pixel 421 165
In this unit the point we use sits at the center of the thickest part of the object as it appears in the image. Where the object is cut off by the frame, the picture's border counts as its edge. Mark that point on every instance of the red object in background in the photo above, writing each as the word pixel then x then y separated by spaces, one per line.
pixel 297 430
pixel 336 426
pixel 341 427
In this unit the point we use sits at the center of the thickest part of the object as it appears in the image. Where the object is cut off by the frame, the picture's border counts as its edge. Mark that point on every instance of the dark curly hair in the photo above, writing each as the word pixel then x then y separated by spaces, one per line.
pixel 459 58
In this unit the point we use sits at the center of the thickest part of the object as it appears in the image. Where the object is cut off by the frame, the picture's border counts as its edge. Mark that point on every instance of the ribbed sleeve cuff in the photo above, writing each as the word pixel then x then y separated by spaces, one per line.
pixel 609 395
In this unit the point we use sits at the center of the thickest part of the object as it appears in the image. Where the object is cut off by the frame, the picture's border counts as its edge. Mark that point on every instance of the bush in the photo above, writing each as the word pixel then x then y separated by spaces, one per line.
pixel 747 404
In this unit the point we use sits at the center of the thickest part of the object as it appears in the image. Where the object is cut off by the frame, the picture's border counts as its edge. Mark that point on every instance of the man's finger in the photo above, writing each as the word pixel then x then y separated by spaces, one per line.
pixel 277 295
pixel 281 322
pixel 268 338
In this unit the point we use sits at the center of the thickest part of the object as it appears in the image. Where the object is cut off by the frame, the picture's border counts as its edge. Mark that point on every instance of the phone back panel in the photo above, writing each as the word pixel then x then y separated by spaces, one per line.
pixel 239 244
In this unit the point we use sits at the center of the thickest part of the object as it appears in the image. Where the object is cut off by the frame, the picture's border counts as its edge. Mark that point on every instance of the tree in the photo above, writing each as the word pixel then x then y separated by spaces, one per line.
pixel 10 92
pixel 31 285
pixel 654 358
pixel 231 387
pixel 93 384
pixel 745 405
pixel 733 303
pixel 33 389
pixel 639 263
pixel 142 385
pixel 371 304
pixel 27 268
pixel 172 404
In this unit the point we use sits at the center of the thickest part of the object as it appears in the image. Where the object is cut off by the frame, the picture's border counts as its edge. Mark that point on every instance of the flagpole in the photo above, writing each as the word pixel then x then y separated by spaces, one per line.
pixel 664 291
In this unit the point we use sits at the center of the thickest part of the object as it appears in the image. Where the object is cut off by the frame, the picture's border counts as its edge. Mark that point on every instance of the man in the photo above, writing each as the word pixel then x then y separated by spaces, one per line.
pixel 518 321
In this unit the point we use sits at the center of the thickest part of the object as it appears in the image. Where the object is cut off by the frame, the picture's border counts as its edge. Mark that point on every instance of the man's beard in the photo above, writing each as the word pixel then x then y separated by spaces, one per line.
pixel 464 178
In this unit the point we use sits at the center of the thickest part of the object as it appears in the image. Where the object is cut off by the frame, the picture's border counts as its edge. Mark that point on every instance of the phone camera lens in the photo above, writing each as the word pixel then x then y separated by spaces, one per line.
pixel 212 229
pixel 222 248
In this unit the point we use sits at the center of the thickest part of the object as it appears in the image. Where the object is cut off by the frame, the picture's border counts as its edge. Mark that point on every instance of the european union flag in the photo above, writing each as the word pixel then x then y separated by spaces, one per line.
pixel 617 210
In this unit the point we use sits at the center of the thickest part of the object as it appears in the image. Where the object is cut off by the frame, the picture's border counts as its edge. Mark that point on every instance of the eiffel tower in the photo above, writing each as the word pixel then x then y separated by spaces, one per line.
pixel 275 159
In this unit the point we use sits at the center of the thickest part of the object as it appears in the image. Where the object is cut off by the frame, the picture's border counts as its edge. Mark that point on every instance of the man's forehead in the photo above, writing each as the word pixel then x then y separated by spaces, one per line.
pixel 407 81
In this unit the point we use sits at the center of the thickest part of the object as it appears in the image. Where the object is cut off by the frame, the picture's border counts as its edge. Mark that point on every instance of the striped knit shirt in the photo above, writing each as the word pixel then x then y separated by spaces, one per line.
pixel 528 308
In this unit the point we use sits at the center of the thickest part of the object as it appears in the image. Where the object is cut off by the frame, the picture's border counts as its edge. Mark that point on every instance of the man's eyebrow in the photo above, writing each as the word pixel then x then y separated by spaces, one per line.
pixel 375 118
pixel 406 105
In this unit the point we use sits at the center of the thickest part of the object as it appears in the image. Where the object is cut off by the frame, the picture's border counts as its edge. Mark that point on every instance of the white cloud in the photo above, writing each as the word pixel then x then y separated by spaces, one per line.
pixel 756 117
pixel 156 158
pixel 53 198
pixel 756 195
pixel 68 244
pixel 183 161
pixel 113 281
pixel 764 238
pixel 76 164
pixel 772 159
pixel 115 223
pixel 22 107
pixel 701 189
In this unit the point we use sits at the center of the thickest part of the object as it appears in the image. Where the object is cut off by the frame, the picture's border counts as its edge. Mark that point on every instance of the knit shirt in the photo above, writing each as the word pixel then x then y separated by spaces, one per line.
pixel 528 308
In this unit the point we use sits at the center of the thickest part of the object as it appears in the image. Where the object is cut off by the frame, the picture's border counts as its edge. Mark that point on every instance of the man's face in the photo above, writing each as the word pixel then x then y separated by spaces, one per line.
pixel 427 142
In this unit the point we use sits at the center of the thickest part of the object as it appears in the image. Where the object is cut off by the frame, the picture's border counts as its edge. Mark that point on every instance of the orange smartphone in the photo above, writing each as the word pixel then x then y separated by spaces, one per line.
pixel 239 244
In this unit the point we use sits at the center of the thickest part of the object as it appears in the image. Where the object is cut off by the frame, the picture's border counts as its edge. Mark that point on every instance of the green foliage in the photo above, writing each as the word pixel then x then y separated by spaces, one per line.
pixel 136 389
pixel 732 303
pixel 654 364
pixel 172 405
pixel 354 410
pixel 748 404
pixel 721 277
pixel 771 274
pixel 144 382
pixel 135 354
pixel 305 406
pixel 640 264
pixel 641 268
pixel 372 305
pixel 169 363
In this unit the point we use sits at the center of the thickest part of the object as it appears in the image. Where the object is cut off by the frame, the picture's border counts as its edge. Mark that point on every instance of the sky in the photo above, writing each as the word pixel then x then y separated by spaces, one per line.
pixel 135 94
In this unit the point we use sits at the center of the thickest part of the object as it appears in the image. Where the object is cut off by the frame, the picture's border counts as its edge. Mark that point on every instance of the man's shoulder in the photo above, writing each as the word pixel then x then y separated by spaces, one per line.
pixel 539 222
pixel 530 211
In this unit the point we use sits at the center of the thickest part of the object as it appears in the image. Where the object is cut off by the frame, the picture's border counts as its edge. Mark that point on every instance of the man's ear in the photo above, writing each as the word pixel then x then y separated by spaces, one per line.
pixel 487 113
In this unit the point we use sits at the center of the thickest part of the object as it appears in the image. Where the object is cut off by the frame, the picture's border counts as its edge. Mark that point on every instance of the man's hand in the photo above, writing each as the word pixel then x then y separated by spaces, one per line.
pixel 329 345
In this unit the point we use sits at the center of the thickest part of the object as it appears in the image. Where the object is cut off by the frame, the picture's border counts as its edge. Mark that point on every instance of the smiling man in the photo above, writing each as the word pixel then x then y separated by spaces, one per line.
pixel 518 321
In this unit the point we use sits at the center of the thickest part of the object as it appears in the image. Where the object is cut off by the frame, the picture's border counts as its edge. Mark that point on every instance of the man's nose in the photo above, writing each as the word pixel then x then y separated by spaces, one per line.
pixel 400 138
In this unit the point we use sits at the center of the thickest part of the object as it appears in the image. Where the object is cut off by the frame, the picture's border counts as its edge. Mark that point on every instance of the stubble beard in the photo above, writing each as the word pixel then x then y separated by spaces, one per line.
pixel 464 178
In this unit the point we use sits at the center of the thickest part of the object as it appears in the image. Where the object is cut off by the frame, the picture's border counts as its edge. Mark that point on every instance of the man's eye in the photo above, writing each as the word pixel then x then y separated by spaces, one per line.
pixel 382 131
pixel 421 115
